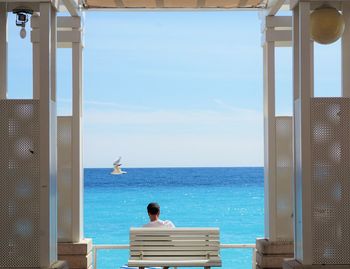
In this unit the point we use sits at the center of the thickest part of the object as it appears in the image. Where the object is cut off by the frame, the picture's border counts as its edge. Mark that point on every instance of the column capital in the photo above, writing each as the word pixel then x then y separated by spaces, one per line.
pixel 277 29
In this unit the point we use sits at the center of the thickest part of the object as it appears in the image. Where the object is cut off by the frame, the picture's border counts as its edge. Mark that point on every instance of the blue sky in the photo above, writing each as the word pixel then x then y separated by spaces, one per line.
pixel 170 89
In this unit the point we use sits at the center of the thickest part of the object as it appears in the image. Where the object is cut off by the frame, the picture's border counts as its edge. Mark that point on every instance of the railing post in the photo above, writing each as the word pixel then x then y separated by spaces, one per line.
pixel 95 257
pixel 254 258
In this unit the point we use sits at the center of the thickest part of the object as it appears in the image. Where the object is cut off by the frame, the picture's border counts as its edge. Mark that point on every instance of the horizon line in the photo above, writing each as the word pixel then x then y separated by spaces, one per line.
pixel 169 167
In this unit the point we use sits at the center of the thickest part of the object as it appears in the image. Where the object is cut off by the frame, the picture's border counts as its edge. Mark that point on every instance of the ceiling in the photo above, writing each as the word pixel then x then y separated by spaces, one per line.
pixel 175 4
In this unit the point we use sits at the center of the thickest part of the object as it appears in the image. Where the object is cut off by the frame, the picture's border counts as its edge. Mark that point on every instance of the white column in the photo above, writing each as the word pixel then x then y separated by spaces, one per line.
pixel 269 141
pixel 296 54
pixel 303 150
pixel 278 176
pixel 3 51
pixel 48 191
pixel 312 69
pixel 36 63
pixel 53 53
pixel 53 142
pixel 346 51
pixel 77 158
pixel 295 97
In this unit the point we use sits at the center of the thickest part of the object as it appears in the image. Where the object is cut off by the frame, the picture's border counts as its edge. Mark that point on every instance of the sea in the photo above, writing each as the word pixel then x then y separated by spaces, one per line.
pixel 229 198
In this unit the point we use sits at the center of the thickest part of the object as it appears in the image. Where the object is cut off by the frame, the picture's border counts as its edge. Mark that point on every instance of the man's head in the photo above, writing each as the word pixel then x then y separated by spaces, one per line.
pixel 153 210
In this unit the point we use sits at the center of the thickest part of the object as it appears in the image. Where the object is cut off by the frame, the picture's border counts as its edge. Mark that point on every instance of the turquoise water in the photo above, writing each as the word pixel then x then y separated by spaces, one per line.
pixel 228 198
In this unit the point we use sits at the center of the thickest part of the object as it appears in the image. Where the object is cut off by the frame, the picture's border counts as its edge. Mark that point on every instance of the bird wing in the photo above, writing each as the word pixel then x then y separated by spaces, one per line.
pixel 117 161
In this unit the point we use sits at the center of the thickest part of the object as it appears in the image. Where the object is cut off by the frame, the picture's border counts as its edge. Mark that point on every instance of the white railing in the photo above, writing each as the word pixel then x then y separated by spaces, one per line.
pixel 222 246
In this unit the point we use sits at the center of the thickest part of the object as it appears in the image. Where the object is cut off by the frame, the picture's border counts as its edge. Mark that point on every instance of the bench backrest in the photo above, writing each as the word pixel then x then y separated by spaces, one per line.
pixel 175 244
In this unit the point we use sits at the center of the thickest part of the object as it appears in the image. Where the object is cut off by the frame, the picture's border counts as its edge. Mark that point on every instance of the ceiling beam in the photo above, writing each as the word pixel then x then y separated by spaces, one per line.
pixel 293 4
pixel 200 3
pixel 62 22
pixel 119 3
pixel 72 6
pixel 160 3
pixel 243 3
pixel 273 6
pixel 276 22
pixel 123 5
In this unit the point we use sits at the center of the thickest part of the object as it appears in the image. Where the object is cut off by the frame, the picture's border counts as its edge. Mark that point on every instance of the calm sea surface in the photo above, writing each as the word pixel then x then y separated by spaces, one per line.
pixel 228 198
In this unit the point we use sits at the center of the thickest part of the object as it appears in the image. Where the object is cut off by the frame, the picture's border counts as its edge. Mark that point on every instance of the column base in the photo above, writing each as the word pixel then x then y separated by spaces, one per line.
pixel 294 264
pixel 60 265
pixel 78 255
pixel 55 265
pixel 271 254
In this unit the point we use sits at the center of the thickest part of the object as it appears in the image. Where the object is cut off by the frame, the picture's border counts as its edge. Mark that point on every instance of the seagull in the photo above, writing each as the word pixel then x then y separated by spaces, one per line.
pixel 117 169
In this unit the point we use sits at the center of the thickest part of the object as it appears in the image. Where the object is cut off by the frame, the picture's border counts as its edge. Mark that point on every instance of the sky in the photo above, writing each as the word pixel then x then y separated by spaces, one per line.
pixel 172 89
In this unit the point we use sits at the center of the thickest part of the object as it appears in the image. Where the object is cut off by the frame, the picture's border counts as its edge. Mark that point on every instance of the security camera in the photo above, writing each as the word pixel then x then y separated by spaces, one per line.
pixel 22 17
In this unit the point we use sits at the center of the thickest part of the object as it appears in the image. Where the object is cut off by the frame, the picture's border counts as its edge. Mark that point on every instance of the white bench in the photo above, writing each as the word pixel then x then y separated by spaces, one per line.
pixel 177 247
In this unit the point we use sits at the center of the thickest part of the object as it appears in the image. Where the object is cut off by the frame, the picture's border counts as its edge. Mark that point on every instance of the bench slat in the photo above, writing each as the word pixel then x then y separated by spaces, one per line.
pixel 158 238
pixel 176 258
pixel 174 243
pixel 179 229
pixel 175 253
pixel 147 248
pixel 170 231
pixel 190 263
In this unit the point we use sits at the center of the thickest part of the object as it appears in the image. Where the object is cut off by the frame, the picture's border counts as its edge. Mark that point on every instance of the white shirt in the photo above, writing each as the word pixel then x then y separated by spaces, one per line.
pixel 159 224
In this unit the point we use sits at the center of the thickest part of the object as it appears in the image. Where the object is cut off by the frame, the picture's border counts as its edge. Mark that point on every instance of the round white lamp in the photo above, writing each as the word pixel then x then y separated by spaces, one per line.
pixel 327 25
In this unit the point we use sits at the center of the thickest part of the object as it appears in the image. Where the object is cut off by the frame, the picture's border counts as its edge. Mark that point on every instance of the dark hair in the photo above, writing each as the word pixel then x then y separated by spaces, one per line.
pixel 153 208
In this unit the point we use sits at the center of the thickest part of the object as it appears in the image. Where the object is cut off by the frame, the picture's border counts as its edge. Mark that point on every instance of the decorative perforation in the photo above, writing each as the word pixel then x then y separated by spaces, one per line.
pixel 19 183
pixel 330 158
pixel 64 178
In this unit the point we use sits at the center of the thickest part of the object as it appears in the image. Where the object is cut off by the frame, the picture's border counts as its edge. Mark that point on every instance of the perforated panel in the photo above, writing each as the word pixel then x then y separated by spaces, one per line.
pixel 64 178
pixel 19 183
pixel 330 157
pixel 284 173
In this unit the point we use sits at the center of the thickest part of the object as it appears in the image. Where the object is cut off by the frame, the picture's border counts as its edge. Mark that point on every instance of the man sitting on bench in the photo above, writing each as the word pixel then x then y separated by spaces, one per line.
pixel 153 210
